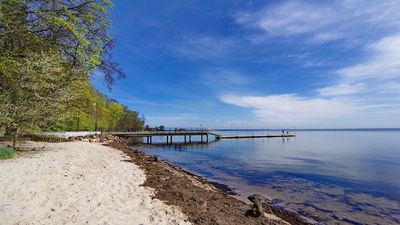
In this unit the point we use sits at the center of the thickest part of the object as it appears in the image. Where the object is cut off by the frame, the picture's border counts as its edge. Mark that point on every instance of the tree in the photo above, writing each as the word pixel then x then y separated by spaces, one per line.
pixel 78 29
pixel 48 48
pixel 130 121
pixel 94 107
pixel 36 89
pixel 115 113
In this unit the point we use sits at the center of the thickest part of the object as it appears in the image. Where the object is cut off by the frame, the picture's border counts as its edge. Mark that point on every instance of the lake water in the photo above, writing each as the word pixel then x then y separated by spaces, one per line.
pixel 330 177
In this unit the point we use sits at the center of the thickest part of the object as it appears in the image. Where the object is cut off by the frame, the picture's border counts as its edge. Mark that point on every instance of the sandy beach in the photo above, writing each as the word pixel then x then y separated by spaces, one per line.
pixel 79 183
pixel 89 183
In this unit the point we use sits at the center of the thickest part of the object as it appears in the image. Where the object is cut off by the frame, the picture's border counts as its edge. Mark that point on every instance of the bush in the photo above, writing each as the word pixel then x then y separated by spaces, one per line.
pixel 6 153
pixel 6 138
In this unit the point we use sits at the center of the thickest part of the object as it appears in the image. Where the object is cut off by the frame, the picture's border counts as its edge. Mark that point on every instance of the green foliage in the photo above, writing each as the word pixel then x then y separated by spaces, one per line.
pixel 36 89
pixel 6 153
pixel 95 108
pixel 6 138
pixel 78 29
pixel 48 49
pixel 115 113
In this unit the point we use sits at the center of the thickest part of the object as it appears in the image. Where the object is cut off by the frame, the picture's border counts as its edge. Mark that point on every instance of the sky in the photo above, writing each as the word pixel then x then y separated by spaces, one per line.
pixel 259 64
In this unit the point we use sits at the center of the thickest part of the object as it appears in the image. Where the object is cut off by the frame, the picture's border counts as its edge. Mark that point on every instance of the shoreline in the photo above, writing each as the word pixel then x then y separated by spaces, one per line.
pixel 203 201
pixel 170 194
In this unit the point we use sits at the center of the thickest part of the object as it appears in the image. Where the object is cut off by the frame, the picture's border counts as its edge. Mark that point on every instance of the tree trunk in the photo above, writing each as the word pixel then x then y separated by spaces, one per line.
pixel 2 130
pixel 15 134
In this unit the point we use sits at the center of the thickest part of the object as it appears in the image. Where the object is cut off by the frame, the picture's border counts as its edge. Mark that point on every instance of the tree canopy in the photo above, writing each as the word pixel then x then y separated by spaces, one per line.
pixel 79 29
pixel 95 108
pixel 48 50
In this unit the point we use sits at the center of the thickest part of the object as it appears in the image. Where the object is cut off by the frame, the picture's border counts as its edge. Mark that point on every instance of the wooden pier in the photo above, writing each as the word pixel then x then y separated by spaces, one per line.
pixel 255 136
pixel 204 135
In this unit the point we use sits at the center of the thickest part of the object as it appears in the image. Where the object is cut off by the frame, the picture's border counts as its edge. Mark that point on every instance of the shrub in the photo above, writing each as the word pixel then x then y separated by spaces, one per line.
pixel 6 138
pixel 6 153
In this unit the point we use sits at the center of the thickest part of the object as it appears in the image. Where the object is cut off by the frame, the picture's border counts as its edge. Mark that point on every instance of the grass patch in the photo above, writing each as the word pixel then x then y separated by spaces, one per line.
pixel 6 153
pixel 6 138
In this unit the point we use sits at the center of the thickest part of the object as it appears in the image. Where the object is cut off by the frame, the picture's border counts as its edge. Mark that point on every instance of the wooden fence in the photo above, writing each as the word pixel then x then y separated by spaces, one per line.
pixel 41 138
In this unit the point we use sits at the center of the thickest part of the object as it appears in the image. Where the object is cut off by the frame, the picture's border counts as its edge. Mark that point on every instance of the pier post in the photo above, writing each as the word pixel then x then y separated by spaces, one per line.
pixel 167 139
pixel 185 139
pixel 201 138
pixel 190 138
pixel 171 139
pixel 151 139
pixel 207 138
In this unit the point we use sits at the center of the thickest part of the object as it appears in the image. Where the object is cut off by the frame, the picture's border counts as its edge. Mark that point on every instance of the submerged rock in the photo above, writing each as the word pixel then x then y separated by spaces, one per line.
pixel 257 208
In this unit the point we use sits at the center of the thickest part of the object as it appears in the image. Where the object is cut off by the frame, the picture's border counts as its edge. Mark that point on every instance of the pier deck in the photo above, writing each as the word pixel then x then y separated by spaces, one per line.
pixel 255 136
pixel 188 135
pixel 161 133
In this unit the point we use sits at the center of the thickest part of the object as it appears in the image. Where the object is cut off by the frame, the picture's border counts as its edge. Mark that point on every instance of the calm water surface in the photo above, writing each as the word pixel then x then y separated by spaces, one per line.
pixel 330 177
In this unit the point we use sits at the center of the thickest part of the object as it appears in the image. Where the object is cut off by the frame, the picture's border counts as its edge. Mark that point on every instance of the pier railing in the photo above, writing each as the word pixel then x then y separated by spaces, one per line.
pixel 163 133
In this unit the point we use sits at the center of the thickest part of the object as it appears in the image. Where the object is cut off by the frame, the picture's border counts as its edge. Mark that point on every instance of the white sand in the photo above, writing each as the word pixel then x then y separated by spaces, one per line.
pixel 78 183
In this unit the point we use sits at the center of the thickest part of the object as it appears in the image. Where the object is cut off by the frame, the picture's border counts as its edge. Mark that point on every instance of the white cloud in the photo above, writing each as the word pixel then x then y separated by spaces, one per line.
pixel 342 89
pixel 201 47
pixel 379 74
pixel 384 63
pixel 289 106
pixel 183 119
pixel 223 79
pixel 362 91
pixel 288 18
pixel 323 22
pixel 296 110
pixel 326 37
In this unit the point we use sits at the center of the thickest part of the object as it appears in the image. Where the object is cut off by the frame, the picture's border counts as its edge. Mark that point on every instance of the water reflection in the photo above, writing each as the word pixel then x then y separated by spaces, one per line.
pixel 346 177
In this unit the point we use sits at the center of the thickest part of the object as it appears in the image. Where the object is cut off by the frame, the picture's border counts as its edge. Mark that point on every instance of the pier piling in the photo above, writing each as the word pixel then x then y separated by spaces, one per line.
pixel 169 135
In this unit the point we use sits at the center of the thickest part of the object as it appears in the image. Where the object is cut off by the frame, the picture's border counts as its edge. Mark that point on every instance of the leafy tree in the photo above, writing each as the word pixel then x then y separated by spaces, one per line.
pixel 96 107
pixel 78 29
pixel 130 121
pixel 48 48
pixel 115 113
pixel 36 89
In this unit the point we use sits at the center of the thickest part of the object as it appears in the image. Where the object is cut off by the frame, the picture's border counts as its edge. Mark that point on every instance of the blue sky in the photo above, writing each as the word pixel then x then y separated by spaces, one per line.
pixel 244 63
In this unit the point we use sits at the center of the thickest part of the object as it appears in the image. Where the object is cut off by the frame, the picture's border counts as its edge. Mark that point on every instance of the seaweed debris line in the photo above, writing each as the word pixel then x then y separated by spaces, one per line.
pixel 88 183
pixel 202 201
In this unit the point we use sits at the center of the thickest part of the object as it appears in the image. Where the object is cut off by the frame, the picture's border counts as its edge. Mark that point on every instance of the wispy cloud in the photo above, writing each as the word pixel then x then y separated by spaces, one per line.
pixel 323 21
pixel 288 18
pixel 379 74
pixel 321 38
pixel 290 106
pixel 360 91
pixel 298 110
pixel 224 79
pixel 204 47
pixel 183 119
